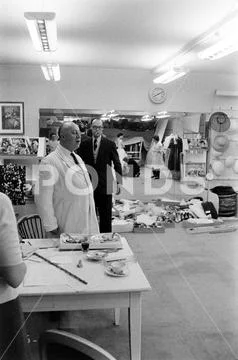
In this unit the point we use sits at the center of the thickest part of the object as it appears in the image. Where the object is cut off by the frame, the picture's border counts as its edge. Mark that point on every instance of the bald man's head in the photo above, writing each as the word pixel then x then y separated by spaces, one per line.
pixel 69 135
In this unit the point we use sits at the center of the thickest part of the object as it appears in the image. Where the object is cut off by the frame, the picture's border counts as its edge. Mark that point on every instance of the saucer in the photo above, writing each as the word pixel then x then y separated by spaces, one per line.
pixel 109 272
pixel 96 255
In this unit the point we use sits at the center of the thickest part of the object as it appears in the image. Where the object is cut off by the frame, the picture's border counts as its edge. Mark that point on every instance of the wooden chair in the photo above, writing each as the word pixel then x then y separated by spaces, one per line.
pixel 30 227
pixel 62 345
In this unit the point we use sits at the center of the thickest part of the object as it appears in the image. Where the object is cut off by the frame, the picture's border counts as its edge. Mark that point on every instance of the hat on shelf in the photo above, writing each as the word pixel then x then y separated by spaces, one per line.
pixel 229 161
pixel 235 167
pixel 221 143
pixel 217 167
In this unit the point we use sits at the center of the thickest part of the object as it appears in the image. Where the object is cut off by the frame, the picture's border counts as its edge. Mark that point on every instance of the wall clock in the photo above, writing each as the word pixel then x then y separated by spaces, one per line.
pixel 157 95
pixel 219 121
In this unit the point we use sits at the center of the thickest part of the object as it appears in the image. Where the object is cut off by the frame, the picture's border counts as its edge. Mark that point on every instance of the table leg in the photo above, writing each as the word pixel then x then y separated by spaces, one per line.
pixel 117 316
pixel 134 320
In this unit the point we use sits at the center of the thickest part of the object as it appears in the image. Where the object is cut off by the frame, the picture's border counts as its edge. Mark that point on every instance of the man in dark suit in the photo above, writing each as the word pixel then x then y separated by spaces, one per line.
pixel 99 154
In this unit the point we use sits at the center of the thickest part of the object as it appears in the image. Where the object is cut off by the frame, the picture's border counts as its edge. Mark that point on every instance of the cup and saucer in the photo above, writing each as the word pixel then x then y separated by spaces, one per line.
pixel 117 269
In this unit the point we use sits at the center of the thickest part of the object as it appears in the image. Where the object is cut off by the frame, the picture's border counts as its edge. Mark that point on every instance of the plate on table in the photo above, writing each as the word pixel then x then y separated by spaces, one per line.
pixel 96 255
pixel 104 237
pixel 70 241
pixel 117 269
pixel 72 238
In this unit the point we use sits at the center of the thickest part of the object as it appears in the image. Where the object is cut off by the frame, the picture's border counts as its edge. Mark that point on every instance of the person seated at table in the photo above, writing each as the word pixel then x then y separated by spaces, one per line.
pixel 13 340
pixel 64 193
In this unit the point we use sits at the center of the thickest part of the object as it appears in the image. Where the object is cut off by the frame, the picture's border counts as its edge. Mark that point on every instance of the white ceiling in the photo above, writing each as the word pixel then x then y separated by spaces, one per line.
pixel 126 34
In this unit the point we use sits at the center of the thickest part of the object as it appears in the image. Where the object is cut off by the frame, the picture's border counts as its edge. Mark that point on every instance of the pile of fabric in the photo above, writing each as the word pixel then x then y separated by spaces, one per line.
pixel 156 214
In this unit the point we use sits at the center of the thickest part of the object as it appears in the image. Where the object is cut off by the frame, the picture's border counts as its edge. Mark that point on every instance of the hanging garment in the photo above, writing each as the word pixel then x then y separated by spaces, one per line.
pixel 175 147
pixel 155 155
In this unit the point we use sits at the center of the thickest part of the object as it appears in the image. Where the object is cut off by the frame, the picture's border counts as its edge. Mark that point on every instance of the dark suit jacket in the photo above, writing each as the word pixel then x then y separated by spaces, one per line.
pixel 107 155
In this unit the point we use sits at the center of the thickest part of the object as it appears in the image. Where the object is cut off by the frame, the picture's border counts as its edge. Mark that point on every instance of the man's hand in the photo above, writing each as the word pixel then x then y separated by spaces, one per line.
pixel 118 191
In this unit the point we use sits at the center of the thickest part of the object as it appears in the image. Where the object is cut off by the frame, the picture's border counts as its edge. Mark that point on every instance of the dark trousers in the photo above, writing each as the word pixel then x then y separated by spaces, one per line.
pixel 103 203
pixel 13 340
pixel 134 168
pixel 156 173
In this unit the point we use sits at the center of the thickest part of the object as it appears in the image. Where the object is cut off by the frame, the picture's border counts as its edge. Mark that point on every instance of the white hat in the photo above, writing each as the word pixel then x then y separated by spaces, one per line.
pixel 221 143
pixel 229 161
pixel 217 167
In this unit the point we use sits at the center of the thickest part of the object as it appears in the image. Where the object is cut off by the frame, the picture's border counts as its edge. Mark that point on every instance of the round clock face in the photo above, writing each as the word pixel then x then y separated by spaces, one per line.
pixel 157 95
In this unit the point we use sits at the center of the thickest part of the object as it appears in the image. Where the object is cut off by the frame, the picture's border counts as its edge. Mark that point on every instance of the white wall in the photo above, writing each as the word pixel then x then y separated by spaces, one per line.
pixel 107 89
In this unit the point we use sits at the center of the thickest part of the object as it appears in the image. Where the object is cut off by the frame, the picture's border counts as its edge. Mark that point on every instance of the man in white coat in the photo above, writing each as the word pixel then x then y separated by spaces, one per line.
pixel 64 193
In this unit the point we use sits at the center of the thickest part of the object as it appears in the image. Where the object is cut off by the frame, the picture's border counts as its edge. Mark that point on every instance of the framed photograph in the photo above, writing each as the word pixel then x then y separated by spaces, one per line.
pixel 11 118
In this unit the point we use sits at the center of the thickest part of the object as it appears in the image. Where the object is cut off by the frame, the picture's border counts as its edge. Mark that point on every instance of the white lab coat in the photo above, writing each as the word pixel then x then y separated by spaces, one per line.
pixel 64 194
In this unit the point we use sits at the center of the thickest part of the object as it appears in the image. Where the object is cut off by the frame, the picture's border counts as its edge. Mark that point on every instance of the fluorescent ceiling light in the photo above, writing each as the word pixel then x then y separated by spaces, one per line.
pixel 162 115
pixel 104 118
pixel 109 115
pixel 42 28
pixel 51 72
pixel 147 117
pixel 219 50
pixel 169 76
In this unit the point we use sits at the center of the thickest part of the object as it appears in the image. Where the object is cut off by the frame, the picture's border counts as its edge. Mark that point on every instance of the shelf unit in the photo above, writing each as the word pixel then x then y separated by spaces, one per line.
pixel 134 151
pixel 194 163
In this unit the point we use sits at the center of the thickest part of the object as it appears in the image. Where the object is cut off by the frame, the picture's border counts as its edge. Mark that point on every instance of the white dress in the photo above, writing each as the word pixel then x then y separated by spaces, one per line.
pixel 155 155
pixel 122 155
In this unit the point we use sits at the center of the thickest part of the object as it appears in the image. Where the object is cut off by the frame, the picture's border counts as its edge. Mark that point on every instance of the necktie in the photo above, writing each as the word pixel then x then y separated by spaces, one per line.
pixel 74 157
pixel 95 144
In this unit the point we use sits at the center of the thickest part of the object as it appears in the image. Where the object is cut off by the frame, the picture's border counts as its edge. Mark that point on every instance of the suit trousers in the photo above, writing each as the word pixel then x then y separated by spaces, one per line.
pixel 103 204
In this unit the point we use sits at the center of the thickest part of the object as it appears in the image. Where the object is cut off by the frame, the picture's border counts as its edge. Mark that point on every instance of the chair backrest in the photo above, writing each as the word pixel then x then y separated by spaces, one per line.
pixel 30 227
pixel 85 349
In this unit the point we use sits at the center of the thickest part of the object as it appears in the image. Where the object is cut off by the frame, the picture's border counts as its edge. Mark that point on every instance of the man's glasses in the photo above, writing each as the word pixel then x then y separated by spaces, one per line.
pixel 97 127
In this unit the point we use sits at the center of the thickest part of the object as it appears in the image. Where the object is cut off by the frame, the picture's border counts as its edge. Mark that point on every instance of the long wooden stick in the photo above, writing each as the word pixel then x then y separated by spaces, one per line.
pixel 61 268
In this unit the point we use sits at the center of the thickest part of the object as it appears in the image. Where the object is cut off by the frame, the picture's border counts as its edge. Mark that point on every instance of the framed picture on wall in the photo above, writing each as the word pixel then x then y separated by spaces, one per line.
pixel 11 118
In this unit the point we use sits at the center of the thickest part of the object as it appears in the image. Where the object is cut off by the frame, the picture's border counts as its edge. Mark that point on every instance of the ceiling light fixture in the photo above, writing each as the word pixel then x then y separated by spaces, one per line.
pixel 42 28
pixel 162 115
pixel 220 40
pixel 51 72
pixel 170 76
pixel 147 117
pixel 219 50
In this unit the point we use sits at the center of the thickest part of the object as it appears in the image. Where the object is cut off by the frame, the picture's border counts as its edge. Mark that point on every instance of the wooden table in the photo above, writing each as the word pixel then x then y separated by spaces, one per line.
pixel 47 288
